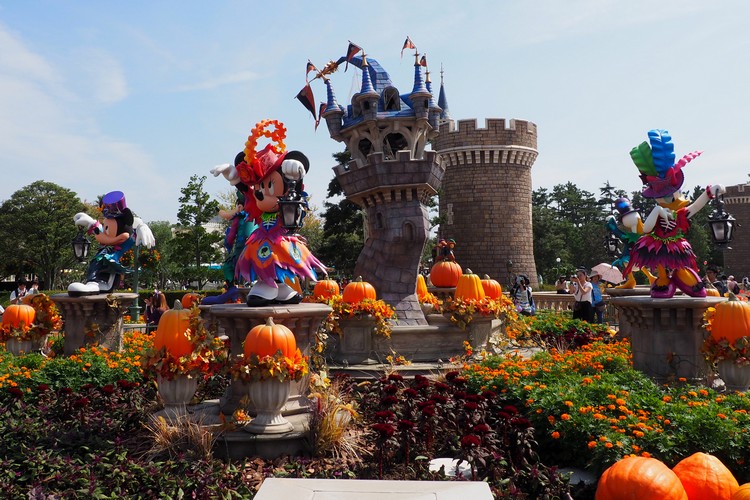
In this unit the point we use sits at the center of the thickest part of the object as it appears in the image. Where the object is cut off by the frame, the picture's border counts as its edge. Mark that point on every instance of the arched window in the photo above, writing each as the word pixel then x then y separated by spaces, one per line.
pixel 407 231
pixel 365 147
pixel 391 99
pixel 392 143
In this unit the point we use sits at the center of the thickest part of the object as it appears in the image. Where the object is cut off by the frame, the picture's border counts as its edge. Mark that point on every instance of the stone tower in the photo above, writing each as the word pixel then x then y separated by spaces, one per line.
pixel 737 203
pixel 390 176
pixel 486 198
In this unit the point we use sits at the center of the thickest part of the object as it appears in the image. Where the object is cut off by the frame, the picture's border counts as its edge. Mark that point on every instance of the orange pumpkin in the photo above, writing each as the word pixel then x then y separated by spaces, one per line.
pixel 171 332
pixel 15 314
pixel 492 288
pixel 325 289
pixel 742 493
pixel 704 476
pixel 469 287
pixel 731 319
pixel 639 477
pixel 445 274
pixel 421 287
pixel 268 339
pixel 712 292
pixel 358 290
pixel 189 299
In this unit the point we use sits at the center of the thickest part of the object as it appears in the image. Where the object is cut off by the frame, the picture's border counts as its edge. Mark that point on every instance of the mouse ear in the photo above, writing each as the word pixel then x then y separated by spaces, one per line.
pixel 300 157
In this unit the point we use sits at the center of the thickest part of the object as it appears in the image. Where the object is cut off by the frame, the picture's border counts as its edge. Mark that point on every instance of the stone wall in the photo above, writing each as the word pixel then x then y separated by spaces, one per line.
pixel 486 199
pixel 737 203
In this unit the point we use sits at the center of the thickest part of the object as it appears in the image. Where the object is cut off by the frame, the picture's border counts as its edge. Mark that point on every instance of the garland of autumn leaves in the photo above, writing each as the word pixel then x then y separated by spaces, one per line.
pixel 208 357
pixel 377 309
pixel 46 321
pixel 254 368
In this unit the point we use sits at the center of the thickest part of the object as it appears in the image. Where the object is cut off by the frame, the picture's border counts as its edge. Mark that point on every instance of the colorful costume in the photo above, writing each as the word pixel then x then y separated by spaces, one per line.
pixel 663 247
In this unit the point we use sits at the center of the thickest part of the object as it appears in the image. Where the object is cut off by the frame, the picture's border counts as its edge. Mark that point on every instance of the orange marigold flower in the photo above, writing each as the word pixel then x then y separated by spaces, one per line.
pixel 592 444
pixel 565 416
pixel 555 435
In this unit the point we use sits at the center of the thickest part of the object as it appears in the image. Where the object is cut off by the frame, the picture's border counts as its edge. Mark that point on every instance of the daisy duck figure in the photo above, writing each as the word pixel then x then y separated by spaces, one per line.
pixel 118 231
pixel 663 246
pixel 273 255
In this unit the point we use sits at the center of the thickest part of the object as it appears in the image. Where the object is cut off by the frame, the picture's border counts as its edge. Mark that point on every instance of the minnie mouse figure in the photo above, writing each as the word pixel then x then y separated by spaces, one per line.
pixel 272 255
pixel 116 233
pixel 663 246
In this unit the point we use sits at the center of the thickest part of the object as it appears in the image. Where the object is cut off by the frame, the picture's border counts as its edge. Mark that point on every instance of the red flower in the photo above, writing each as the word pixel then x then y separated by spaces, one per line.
pixel 385 430
pixel 470 440
pixel 482 429
pixel 385 415
pixel 15 391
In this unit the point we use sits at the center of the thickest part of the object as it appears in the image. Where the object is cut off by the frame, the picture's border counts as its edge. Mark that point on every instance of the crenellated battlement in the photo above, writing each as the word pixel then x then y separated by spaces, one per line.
pixel 496 132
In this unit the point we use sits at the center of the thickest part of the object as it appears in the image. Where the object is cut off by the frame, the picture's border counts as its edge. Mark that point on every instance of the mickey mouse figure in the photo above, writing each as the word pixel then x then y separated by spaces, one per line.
pixel 116 233
pixel 272 254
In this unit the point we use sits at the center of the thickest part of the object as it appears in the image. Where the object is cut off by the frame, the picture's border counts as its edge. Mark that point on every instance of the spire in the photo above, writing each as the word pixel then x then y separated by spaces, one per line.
pixel 442 99
pixel 367 87
pixel 331 103
pixel 419 87
pixel 428 84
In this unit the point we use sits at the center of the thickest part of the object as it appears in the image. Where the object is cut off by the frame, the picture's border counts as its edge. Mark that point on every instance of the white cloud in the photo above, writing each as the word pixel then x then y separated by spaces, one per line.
pixel 220 81
pixel 100 76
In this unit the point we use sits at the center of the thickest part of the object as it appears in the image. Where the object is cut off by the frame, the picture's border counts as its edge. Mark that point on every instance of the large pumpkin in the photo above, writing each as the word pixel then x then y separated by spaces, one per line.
pixel 189 299
pixel 704 476
pixel 16 314
pixel 358 290
pixel 170 333
pixel 712 292
pixel 742 493
pixel 445 274
pixel 731 319
pixel 268 339
pixel 325 289
pixel 469 287
pixel 642 478
pixel 492 288
pixel 421 287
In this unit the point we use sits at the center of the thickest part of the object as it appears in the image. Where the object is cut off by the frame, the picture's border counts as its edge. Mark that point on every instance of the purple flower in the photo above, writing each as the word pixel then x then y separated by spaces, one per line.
pixel 470 440
pixel 385 430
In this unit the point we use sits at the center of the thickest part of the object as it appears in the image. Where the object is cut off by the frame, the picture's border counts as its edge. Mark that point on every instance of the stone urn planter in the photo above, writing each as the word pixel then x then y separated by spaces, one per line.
pixel 355 344
pixel 176 393
pixel 19 347
pixel 736 377
pixel 267 398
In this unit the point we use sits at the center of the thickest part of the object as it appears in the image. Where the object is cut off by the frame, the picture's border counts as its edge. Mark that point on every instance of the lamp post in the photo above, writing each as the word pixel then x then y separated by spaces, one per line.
pixel 292 209
pixel 135 309
pixel 612 243
pixel 721 224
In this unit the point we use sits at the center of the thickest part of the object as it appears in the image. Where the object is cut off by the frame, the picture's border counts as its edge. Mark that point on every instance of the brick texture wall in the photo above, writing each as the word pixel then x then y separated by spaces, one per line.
pixel 486 199
pixel 737 203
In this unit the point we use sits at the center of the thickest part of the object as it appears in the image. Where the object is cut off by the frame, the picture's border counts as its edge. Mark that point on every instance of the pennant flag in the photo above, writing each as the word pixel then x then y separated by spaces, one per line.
pixel 320 114
pixel 310 67
pixel 408 44
pixel 305 96
pixel 423 61
pixel 351 51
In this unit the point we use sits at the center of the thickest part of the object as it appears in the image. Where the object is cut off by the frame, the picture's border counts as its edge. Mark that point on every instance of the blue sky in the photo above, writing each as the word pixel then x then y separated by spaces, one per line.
pixel 138 96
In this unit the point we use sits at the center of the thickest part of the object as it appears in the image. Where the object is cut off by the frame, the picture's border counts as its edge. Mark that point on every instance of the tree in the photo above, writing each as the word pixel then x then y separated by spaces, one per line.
pixel 36 228
pixel 343 230
pixel 193 246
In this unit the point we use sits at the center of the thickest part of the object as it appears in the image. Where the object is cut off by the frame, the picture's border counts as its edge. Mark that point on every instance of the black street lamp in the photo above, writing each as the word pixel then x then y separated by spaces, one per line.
pixel 81 246
pixel 612 243
pixel 721 224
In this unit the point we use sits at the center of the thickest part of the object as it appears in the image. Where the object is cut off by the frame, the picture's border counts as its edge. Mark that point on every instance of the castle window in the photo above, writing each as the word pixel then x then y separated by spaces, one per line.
pixel 365 147
pixel 407 231
pixel 391 99
pixel 379 221
pixel 356 109
pixel 393 143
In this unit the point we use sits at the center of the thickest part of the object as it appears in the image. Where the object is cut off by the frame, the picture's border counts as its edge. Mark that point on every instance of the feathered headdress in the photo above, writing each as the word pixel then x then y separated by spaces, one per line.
pixel 259 164
pixel 660 174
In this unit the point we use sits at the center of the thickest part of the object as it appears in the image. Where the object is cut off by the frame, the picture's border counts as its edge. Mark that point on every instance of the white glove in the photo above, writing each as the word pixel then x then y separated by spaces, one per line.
pixel 718 190
pixel 293 169
pixel 83 220
pixel 228 171
pixel 143 234
pixel 630 221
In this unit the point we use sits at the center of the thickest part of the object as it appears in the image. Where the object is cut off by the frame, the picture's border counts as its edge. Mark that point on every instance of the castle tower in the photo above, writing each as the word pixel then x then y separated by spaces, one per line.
pixel 486 199
pixel 390 177
pixel 737 203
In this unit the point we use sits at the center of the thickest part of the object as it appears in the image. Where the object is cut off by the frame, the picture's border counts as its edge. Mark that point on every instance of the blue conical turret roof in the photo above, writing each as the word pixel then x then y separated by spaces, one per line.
pixel 443 99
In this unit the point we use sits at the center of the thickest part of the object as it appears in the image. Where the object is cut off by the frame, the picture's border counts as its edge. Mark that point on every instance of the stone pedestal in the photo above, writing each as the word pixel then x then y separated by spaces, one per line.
pixel 93 319
pixel 438 341
pixel 666 335
pixel 237 319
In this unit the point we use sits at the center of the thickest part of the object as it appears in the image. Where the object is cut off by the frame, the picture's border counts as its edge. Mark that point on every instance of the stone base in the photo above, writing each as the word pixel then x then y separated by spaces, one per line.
pixel 81 314
pixel 438 341
pixel 274 488
pixel 236 444
pixel 666 335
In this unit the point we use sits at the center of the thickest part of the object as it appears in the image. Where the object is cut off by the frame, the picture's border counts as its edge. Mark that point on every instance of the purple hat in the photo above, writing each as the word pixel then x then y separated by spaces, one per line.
pixel 113 205
pixel 623 207
pixel 657 187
